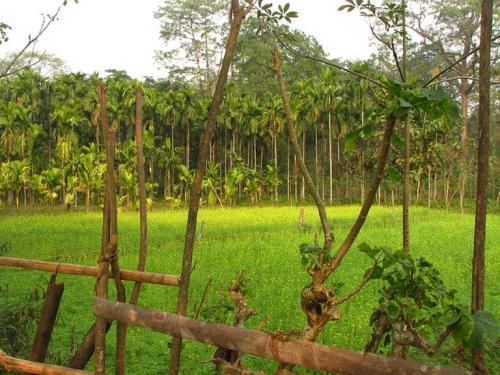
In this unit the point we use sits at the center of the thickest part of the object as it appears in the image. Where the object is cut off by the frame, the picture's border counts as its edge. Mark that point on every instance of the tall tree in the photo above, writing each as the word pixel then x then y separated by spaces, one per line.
pixel 431 20
pixel 237 14
pixel 194 29
pixel 478 261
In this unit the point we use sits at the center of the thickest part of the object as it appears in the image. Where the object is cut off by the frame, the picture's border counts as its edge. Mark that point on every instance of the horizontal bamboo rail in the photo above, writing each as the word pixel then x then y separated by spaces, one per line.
pixel 76 269
pixel 265 345
pixel 21 366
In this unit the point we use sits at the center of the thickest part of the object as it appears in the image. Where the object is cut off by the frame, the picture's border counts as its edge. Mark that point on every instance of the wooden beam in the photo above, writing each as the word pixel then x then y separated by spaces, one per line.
pixel 21 366
pixel 266 345
pixel 76 269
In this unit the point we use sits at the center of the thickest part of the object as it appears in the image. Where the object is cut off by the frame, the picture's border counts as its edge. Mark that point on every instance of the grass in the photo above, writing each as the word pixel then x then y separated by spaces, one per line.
pixel 262 241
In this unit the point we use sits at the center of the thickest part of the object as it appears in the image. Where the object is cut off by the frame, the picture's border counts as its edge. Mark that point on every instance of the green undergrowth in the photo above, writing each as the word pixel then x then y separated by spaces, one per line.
pixel 262 241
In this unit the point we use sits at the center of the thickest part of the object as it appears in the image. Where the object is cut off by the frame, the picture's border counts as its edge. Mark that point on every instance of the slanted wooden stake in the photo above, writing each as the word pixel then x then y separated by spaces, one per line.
pixel 47 320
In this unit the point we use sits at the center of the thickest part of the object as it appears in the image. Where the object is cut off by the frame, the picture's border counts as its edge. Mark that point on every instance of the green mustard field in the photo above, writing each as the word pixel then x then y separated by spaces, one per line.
pixel 264 242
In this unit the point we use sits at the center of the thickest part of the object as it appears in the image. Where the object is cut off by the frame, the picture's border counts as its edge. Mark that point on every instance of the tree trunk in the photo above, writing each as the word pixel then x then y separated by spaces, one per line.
pixel 407 148
pixel 276 167
pixel 109 252
pixel 478 260
pixel 187 146
pixel 330 151
pixel 288 169
pixel 462 178
pixel 237 14
pixel 87 200
pixel 303 187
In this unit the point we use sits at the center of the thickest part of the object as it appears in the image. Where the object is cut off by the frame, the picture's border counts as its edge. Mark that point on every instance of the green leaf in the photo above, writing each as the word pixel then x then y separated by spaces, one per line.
pixel 486 329
pixel 404 104
pixel 389 258
pixel 392 310
pixel 396 140
pixel 368 250
pixel 351 139
pixel 345 6
pixel 377 273
pixel 394 174
pixel 464 329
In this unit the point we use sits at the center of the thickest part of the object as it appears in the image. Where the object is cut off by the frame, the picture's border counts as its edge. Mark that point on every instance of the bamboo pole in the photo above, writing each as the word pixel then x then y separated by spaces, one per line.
pixel 20 366
pixel 91 271
pixel 266 345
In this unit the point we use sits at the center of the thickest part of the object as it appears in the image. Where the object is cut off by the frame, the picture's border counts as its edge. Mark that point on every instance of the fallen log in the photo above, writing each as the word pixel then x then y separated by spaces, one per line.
pixel 266 345
pixel 92 271
pixel 47 319
pixel 12 364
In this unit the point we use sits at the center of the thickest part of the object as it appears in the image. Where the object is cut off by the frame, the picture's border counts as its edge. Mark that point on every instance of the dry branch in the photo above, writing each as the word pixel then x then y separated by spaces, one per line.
pixel 327 230
pixel 47 20
pixel 91 271
pixel 266 345
pixel 20 366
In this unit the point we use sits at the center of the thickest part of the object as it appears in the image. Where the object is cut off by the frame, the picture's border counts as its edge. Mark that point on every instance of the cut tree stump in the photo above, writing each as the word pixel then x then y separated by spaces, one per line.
pixel 48 315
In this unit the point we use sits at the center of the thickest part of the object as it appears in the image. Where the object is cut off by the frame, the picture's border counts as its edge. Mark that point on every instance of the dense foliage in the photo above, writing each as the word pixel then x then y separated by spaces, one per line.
pixel 52 147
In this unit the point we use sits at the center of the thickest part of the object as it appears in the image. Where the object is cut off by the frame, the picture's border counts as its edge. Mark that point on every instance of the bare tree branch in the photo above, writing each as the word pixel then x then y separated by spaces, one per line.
pixel 457 62
pixel 462 77
pixel 327 230
pixel 329 63
pixel 356 290
pixel 46 22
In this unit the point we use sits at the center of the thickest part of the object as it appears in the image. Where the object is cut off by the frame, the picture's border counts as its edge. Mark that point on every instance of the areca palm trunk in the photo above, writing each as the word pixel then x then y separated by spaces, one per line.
pixel 316 166
pixel 255 151
pixel 303 187
pixel 187 146
pixel 330 151
pixel 276 165
pixel 87 199
pixel 288 169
